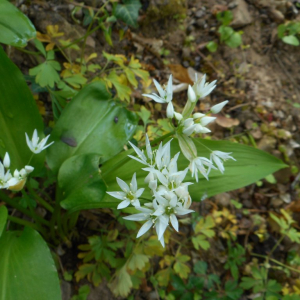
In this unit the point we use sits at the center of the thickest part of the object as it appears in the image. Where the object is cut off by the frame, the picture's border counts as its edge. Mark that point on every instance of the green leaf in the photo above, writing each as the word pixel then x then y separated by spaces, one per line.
pixel 212 46
pixel 3 218
pixel 225 32
pixel 81 183
pixel 27 269
pixel 15 28
pixel 200 241
pixel 18 114
pixel 121 284
pixel 281 30
pixel 128 12
pixel 91 123
pixel 234 40
pixel 251 165
pixel 46 72
pixel 225 17
pixel 200 267
pixel 137 261
pixel 291 40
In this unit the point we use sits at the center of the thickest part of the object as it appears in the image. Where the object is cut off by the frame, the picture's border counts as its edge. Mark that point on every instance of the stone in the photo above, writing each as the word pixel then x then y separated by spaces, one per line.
pixel 241 15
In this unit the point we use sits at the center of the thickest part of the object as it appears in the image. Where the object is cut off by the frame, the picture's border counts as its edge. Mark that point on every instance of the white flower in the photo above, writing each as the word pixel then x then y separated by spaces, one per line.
pixel 217 157
pixel 201 129
pixel 129 195
pixel 188 126
pixel 34 144
pixel 17 182
pixel 218 107
pixel 202 89
pixel 4 177
pixel 145 215
pixel 167 209
pixel 198 164
pixel 165 96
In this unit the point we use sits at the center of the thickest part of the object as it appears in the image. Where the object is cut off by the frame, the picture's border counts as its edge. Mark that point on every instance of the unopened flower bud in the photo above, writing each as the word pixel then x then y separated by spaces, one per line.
pixel 198 115
pixel 217 108
pixel 178 116
pixel 6 160
pixel 191 94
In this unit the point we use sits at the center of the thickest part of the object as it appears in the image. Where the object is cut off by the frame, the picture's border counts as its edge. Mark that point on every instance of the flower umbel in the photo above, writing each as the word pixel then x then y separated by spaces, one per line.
pixel 34 145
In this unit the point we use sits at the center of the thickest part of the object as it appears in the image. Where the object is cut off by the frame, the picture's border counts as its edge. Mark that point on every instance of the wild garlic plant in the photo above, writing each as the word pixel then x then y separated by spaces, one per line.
pixel 17 180
pixel 170 193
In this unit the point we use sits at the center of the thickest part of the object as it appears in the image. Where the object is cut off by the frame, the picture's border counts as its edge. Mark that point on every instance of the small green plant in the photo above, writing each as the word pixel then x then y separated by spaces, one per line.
pixel 228 35
pixel 289 33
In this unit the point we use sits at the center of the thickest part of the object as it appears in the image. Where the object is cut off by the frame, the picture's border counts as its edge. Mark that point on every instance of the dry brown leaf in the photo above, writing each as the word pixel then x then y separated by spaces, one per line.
pixel 226 122
pixel 180 73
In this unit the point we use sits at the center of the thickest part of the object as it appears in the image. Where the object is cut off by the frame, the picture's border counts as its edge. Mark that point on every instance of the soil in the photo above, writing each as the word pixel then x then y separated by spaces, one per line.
pixel 261 80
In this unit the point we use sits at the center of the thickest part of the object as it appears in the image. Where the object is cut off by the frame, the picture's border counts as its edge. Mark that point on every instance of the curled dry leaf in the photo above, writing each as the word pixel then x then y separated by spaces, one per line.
pixel 226 122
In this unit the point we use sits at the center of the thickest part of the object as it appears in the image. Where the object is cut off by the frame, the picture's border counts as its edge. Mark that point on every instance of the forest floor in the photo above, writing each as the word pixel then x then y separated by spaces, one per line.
pixel 261 80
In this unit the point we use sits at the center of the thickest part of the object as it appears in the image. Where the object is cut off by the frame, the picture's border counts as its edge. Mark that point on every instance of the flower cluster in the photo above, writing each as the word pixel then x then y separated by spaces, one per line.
pixel 17 180
pixel 187 124
pixel 170 196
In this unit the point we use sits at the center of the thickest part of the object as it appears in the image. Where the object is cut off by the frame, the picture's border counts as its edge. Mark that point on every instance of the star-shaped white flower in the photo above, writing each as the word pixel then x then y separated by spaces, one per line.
pixel 165 96
pixel 129 195
pixel 199 164
pixel 202 88
pixel 217 157
pixel 34 145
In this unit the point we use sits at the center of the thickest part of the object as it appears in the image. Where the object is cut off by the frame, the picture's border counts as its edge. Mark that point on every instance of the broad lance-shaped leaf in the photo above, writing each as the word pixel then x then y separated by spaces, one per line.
pixel 81 184
pixel 251 165
pixel 91 123
pixel 15 28
pixel 3 218
pixel 18 114
pixel 27 269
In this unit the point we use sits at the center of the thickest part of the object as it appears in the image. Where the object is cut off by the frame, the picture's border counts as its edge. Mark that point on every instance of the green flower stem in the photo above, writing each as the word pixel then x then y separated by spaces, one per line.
pixel 276 262
pixel 29 52
pixel 38 198
pixel 28 224
pixel 188 109
pixel 73 220
pixel 55 222
pixel 23 210
pixel 88 30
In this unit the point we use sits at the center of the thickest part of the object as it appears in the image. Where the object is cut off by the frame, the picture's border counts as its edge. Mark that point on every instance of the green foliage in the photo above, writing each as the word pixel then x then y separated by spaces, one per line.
pixel 236 256
pixel 83 293
pixel 27 267
pixel 128 12
pixel 18 114
pixel 204 230
pixel 289 33
pixel 15 28
pixel 3 218
pixel 46 73
pixel 259 283
pixel 86 122
pixel 285 225
pixel 81 183
pixel 228 35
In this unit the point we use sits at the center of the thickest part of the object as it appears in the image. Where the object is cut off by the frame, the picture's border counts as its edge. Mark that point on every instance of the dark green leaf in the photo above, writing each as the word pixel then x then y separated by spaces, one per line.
pixel 27 270
pixel 15 28
pixel 3 218
pixel 81 183
pixel 91 123
pixel 18 114
pixel 128 12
